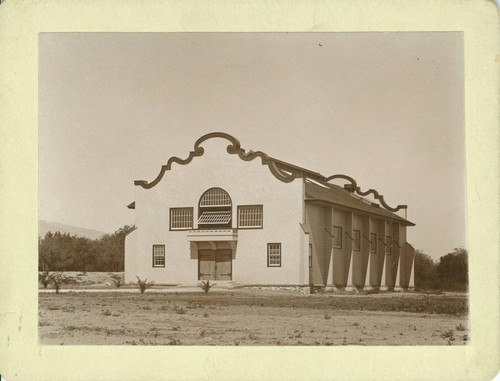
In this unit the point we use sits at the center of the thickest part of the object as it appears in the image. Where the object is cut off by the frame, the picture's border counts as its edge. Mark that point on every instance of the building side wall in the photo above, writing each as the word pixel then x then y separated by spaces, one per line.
pixel 130 257
pixel 247 183
pixel 357 255
pixel 316 220
pixel 339 254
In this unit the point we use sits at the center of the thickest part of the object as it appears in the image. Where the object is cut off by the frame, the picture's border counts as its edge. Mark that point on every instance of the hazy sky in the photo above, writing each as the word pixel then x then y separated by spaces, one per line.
pixel 384 108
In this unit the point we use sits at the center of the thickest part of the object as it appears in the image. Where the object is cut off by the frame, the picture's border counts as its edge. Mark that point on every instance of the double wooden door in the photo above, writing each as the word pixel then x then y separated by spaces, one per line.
pixel 215 265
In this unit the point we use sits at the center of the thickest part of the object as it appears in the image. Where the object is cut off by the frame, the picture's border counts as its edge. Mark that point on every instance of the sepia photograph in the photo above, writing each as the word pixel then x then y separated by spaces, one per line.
pixel 252 189
pixel 249 190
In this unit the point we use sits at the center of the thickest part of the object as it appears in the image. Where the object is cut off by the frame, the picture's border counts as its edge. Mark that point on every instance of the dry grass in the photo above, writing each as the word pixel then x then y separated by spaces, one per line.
pixel 250 317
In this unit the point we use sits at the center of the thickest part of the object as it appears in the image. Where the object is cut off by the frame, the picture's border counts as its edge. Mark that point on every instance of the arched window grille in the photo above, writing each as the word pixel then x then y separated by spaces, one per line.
pixel 215 197
pixel 215 209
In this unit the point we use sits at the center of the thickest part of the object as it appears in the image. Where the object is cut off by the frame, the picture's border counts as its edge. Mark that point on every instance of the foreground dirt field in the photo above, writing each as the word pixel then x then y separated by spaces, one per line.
pixel 252 317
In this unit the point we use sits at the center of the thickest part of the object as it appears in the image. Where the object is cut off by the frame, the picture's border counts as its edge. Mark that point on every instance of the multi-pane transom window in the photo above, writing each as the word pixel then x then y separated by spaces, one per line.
pixel 337 237
pixel 373 242
pixel 356 240
pixel 250 216
pixel 158 255
pixel 181 218
pixel 215 197
pixel 388 245
pixel 274 254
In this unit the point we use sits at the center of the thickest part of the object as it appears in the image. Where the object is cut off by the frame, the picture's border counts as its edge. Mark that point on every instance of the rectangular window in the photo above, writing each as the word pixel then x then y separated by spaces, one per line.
pixel 310 255
pixel 373 242
pixel 181 218
pixel 356 243
pixel 158 255
pixel 250 216
pixel 388 245
pixel 337 237
pixel 274 255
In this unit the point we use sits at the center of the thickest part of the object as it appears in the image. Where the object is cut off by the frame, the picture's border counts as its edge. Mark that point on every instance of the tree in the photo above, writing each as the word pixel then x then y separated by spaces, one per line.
pixel 453 269
pixel 426 276
pixel 65 252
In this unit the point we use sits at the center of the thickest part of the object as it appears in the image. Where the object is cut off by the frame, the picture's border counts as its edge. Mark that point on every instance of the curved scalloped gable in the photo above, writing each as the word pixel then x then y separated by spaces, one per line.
pixel 281 170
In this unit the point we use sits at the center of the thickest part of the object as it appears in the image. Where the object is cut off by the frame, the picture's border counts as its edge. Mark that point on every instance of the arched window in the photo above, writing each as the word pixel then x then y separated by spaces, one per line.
pixel 214 209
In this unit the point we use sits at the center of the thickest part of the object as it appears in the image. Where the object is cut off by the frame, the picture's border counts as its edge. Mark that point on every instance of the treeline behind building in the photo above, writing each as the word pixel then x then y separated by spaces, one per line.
pixel 65 252
pixel 450 272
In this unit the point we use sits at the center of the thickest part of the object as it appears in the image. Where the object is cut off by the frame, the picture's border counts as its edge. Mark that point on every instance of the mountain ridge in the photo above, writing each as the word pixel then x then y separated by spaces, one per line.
pixel 45 226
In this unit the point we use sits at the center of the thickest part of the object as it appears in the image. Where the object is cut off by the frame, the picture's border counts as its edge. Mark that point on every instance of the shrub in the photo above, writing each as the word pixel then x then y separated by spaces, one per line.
pixel 327 316
pixel 58 279
pixel 460 327
pixel 143 284
pixel 117 280
pixel 44 278
pixel 206 286
pixel 180 311
pixel 448 335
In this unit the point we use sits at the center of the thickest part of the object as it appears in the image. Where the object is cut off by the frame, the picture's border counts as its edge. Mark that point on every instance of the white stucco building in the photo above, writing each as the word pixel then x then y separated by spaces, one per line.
pixel 225 214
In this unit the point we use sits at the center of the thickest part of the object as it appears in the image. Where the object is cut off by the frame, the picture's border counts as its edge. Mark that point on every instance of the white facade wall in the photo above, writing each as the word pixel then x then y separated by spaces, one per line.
pixel 247 183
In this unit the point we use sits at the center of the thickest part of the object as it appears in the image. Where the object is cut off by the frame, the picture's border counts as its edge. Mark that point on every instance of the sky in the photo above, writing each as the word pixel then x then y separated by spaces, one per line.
pixel 384 108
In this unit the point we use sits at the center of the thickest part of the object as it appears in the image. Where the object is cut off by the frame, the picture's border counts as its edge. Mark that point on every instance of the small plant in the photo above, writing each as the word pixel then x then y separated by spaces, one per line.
pixel 44 278
pixel 106 313
pixel 327 316
pixel 236 342
pixel 180 311
pixel 355 324
pixel 206 286
pixel 117 280
pixel 460 327
pixel 175 341
pixel 205 315
pixel 58 279
pixel 312 289
pixel 448 335
pixel 143 284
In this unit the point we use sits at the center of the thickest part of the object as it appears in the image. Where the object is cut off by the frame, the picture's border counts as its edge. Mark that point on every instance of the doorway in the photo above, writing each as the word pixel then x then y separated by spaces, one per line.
pixel 215 264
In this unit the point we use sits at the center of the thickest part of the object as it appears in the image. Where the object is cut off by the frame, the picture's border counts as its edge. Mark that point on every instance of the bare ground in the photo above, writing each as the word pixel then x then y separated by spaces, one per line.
pixel 252 317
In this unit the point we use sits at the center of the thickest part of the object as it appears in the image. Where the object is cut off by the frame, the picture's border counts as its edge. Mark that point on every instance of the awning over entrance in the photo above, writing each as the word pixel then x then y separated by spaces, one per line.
pixel 213 239
pixel 212 235
pixel 215 218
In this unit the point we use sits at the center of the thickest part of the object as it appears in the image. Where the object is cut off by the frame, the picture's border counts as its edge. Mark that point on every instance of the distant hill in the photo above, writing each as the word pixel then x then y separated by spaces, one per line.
pixel 45 226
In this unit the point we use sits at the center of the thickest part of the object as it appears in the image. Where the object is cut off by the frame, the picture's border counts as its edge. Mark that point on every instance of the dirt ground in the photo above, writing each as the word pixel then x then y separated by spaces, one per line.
pixel 252 317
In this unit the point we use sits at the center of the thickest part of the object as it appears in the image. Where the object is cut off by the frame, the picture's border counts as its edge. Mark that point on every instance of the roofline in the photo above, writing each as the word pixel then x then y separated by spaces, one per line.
pixel 397 218
pixel 282 170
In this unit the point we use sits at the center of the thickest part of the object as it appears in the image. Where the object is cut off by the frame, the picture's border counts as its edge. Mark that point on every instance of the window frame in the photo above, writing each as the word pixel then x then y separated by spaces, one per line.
pixel 250 206
pixel 164 255
pixel 373 242
pixel 339 237
pixel 310 255
pixel 356 234
pixel 388 245
pixel 170 228
pixel 269 254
